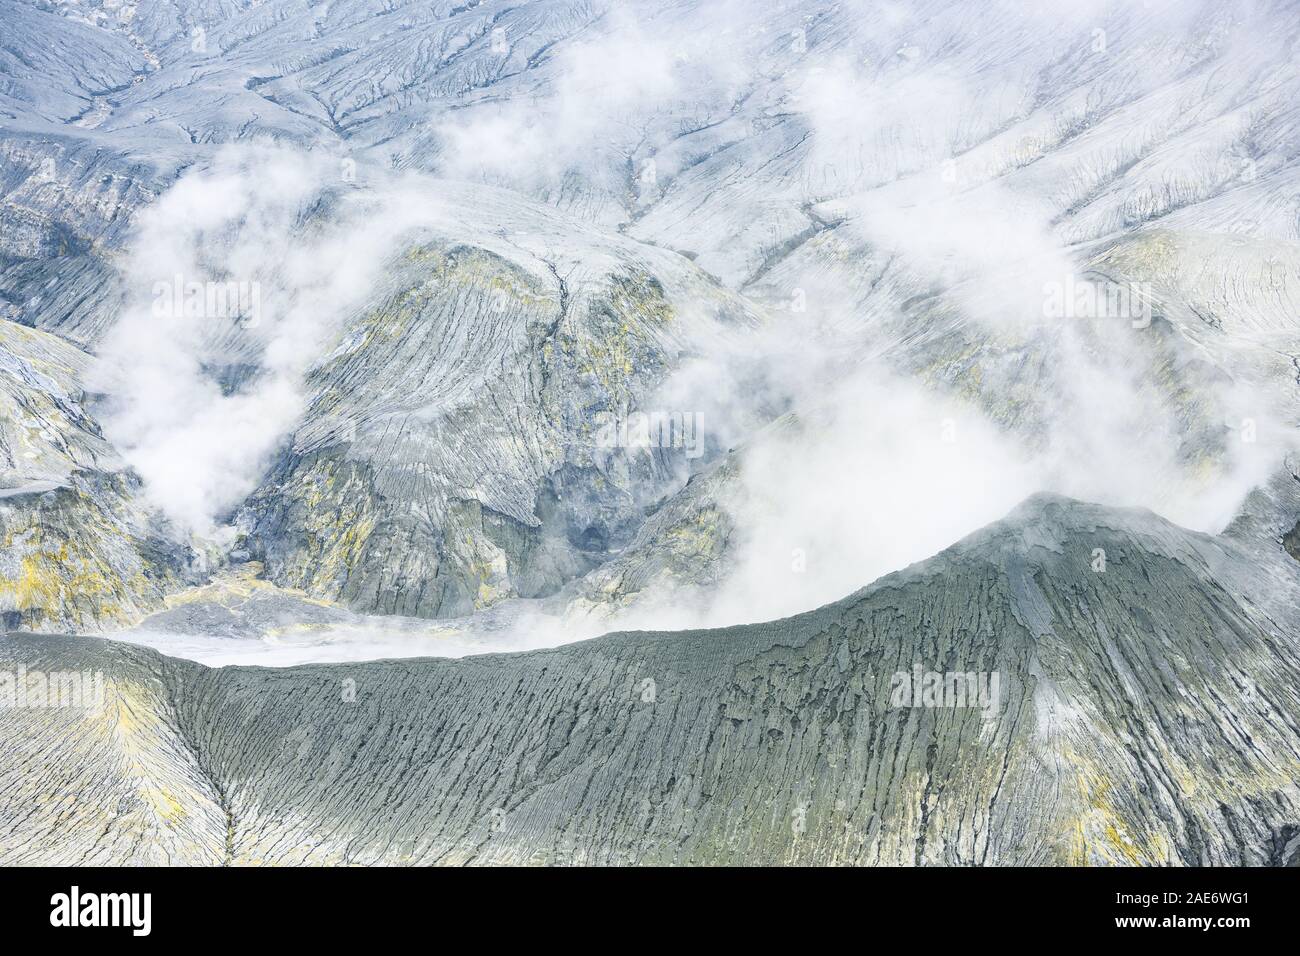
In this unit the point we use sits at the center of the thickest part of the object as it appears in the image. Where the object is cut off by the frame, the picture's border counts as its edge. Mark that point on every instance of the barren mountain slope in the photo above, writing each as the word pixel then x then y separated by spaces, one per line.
pixel 850 182
pixel 1146 713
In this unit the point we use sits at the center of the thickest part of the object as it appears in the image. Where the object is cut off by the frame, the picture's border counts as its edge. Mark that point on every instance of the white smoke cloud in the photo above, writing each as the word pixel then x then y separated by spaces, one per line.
pixel 201 393
pixel 616 93
pixel 888 470
pixel 885 469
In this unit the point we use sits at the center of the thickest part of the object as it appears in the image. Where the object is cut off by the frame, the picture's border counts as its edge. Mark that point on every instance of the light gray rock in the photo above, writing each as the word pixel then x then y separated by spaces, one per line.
pixel 78 550
pixel 1146 713
pixel 458 450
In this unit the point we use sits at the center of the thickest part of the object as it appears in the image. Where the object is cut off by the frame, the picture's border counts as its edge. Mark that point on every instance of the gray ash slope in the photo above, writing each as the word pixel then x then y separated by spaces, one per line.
pixel 445 464
pixel 1157 139
pixel 1147 714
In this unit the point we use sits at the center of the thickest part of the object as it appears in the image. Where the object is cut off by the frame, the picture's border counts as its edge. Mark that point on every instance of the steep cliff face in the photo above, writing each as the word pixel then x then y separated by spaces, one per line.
pixel 78 551
pixel 1131 698
pixel 462 444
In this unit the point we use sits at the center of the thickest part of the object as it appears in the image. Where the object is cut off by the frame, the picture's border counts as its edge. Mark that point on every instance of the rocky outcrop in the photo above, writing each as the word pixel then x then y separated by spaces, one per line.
pixel 1132 700
pixel 462 445
pixel 78 551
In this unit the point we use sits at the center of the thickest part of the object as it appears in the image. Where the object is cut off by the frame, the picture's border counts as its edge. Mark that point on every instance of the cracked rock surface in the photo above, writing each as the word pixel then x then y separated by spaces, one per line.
pixel 1144 714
